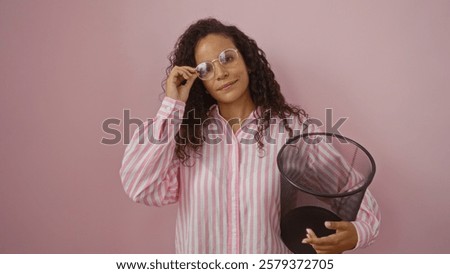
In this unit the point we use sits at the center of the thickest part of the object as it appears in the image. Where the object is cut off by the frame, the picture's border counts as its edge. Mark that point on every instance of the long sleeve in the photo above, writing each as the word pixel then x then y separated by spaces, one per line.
pixel 367 222
pixel 150 168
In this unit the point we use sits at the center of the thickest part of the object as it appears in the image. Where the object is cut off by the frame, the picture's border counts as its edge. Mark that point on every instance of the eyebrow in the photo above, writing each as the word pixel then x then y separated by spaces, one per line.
pixel 209 60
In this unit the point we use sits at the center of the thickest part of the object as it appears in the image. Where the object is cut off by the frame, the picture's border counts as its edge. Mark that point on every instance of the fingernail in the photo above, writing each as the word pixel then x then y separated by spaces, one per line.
pixel 304 241
pixel 309 231
pixel 327 224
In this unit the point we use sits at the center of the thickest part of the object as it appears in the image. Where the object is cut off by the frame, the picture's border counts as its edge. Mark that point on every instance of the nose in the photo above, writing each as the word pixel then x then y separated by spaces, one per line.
pixel 220 71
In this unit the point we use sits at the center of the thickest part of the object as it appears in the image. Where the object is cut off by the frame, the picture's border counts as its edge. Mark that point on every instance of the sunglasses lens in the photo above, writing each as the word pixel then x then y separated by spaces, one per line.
pixel 228 57
pixel 205 70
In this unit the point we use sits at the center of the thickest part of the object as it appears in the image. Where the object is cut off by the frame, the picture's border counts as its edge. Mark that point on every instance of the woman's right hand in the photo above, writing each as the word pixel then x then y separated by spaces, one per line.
pixel 179 82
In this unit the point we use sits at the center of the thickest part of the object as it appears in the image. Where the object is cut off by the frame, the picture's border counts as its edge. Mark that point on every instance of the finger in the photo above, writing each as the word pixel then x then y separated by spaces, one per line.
pixel 192 75
pixel 188 75
pixel 181 72
pixel 321 251
pixel 310 236
pixel 324 241
pixel 181 78
pixel 190 82
pixel 336 225
pixel 327 248
pixel 330 250
pixel 176 74
pixel 324 249
pixel 311 233
pixel 190 69
pixel 318 250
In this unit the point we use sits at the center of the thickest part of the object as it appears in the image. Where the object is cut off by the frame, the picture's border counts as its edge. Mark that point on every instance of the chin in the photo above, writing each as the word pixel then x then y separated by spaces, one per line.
pixel 231 96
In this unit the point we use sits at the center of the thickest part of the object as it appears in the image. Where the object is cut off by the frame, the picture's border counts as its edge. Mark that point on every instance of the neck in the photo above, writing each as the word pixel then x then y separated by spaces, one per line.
pixel 235 113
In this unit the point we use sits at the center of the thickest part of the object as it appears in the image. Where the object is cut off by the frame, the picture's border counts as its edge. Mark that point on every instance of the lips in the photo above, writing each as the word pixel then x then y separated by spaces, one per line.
pixel 227 85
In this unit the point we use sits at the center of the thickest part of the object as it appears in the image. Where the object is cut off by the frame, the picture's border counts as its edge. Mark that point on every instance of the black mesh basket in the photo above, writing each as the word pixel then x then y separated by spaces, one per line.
pixel 324 177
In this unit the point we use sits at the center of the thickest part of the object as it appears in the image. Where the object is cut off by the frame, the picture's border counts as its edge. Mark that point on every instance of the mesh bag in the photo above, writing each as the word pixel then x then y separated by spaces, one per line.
pixel 324 177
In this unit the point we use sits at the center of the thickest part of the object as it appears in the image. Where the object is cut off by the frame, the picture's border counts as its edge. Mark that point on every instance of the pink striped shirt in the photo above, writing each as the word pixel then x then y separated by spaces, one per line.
pixel 229 197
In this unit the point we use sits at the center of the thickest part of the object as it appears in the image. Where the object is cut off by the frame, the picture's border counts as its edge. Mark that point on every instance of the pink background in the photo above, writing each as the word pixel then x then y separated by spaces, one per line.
pixel 66 66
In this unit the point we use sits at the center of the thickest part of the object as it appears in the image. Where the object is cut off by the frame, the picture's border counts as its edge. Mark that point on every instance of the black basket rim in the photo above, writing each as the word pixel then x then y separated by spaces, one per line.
pixel 361 188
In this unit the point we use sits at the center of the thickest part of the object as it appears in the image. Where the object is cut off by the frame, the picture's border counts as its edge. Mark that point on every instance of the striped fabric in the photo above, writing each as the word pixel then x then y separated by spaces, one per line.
pixel 229 197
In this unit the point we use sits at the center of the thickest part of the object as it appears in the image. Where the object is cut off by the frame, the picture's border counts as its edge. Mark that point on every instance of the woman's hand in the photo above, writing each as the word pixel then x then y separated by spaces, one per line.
pixel 179 82
pixel 344 239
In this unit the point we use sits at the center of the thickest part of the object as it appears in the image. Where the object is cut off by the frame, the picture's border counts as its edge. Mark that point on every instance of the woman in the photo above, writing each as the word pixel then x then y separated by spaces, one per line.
pixel 219 161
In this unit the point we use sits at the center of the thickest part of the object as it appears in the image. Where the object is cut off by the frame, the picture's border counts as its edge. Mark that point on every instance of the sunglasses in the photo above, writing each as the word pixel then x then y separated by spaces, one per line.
pixel 227 58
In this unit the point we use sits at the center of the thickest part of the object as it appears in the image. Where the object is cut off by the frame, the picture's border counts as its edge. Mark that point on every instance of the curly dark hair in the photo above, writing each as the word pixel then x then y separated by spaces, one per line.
pixel 264 89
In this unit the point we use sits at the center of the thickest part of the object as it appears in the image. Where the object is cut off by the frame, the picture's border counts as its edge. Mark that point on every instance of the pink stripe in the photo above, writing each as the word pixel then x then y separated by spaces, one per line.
pixel 261 184
pixel 210 198
pixel 236 205
pixel 196 213
pixel 222 198
pixel 229 203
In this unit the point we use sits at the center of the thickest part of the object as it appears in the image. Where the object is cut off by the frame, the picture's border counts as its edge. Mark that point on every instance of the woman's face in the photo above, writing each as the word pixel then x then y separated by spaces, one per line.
pixel 230 84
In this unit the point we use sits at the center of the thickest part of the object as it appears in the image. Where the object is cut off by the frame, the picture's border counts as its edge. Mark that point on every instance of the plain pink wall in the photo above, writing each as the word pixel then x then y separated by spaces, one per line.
pixel 66 66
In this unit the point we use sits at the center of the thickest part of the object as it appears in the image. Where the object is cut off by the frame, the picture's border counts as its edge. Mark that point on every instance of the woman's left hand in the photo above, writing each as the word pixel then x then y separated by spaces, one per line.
pixel 344 239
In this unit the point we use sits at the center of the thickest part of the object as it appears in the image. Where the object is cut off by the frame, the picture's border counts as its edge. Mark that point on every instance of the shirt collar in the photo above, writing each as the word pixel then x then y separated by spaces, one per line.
pixel 214 112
